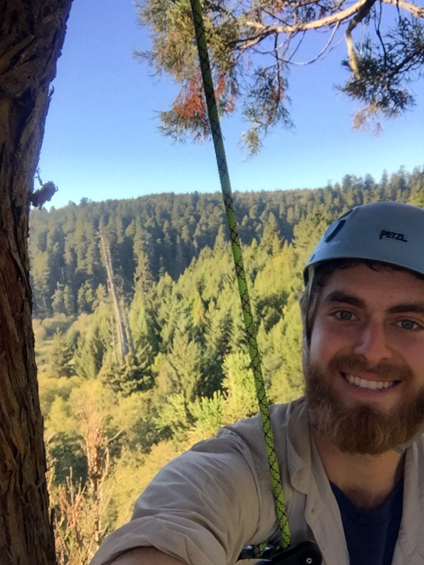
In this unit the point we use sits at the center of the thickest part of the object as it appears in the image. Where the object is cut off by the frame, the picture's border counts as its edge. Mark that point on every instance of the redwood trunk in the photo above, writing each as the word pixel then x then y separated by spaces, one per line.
pixel 31 36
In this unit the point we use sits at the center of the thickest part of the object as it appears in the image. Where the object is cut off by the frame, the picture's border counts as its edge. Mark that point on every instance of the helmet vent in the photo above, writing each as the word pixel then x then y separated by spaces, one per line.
pixel 335 230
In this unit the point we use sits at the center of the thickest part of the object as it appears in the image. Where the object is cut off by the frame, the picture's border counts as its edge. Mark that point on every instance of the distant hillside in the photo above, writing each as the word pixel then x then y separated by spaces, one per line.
pixel 140 345
pixel 158 234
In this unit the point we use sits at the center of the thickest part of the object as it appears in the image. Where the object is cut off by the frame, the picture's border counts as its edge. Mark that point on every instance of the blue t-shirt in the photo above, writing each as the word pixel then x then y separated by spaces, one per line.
pixel 371 536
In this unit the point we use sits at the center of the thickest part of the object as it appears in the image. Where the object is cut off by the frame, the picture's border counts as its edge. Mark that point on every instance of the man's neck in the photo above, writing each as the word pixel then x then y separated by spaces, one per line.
pixel 367 480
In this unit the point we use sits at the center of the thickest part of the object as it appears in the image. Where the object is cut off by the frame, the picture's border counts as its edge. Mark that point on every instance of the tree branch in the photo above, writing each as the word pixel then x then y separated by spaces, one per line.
pixel 360 15
pixel 322 52
pixel 378 32
pixel 417 11
pixel 322 22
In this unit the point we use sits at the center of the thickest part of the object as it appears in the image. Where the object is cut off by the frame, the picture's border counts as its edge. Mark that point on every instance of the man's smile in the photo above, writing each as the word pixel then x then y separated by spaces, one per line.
pixel 369 384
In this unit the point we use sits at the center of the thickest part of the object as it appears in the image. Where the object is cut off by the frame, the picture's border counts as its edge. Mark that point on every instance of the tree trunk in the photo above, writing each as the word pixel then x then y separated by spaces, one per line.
pixel 31 36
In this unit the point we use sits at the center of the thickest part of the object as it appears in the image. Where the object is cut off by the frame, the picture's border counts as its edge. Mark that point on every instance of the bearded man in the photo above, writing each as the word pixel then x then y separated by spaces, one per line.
pixel 351 451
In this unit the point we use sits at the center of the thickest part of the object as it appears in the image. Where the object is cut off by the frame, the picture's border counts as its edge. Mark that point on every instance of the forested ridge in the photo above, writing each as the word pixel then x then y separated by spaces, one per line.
pixel 165 232
pixel 139 339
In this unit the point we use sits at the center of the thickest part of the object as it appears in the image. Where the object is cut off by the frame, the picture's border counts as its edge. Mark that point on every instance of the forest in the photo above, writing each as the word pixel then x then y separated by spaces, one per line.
pixel 138 330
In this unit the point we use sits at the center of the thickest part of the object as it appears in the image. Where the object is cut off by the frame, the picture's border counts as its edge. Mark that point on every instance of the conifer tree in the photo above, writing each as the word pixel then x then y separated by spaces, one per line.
pixel 271 240
pixel 143 278
pixel 41 283
pixel 185 362
pixel 68 301
pixel 379 68
pixel 417 192
pixel 58 300
pixel 85 298
pixel 60 356
pixel 131 376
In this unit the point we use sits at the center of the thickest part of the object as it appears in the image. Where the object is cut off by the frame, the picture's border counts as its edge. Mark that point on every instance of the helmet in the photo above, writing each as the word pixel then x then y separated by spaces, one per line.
pixel 385 231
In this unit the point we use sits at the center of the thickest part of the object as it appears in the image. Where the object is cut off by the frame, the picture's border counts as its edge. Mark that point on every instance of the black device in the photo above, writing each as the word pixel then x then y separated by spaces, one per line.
pixel 304 553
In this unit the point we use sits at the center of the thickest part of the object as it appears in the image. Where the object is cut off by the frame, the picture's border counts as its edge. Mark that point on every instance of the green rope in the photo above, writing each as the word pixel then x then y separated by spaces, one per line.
pixel 240 272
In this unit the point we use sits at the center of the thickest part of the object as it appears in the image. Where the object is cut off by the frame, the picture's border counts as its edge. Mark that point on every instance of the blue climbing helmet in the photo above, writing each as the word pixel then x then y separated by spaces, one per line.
pixel 390 232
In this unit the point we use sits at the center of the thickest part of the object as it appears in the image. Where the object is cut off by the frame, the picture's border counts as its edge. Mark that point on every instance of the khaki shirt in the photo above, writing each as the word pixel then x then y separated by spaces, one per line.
pixel 204 506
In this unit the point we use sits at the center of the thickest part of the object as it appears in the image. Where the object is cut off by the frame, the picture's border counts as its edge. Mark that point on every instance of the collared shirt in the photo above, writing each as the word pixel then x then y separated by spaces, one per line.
pixel 205 505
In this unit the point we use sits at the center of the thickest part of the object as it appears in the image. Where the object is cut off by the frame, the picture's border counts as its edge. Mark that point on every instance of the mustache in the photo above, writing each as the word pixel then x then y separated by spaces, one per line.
pixel 386 371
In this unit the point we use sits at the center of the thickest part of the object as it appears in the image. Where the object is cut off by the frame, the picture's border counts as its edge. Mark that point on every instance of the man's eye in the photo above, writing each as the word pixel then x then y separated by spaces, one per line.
pixel 345 315
pixel 408 325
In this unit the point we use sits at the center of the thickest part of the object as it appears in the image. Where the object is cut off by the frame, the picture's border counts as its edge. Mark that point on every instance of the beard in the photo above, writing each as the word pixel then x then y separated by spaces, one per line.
pixel 360 427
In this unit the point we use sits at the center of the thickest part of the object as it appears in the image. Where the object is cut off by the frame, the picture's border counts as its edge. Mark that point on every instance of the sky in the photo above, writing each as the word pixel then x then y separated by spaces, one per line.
pixel 102 140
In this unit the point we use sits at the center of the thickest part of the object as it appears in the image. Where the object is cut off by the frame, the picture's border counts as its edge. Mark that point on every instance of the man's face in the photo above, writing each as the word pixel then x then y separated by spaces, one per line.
pixel 364 368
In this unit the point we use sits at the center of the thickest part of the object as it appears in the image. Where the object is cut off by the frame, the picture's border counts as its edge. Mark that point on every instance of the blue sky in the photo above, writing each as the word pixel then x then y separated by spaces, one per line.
pixel 101 139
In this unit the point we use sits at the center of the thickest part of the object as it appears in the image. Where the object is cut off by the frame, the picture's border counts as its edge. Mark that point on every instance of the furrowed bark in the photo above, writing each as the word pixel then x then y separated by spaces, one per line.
pixel 31 36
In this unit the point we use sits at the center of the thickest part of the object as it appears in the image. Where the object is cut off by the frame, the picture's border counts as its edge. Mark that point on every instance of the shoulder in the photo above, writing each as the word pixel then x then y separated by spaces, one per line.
pixel 250 431
pixel 285 418
pixel 245 439
pixel 280 414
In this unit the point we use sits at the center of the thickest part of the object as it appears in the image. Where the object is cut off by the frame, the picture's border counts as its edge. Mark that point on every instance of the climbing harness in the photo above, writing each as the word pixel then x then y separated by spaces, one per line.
pixel 250 326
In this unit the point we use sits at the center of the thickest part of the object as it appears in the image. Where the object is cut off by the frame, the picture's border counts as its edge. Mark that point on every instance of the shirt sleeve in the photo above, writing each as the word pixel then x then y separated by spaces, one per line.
pixel 202 507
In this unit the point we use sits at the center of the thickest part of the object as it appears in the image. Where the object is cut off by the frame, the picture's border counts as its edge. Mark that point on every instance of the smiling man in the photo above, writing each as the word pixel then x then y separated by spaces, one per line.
pixel 351 452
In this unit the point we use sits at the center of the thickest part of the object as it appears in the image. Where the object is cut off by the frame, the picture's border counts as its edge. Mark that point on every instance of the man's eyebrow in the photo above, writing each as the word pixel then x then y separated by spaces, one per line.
pixel 340 296
pixel 416 307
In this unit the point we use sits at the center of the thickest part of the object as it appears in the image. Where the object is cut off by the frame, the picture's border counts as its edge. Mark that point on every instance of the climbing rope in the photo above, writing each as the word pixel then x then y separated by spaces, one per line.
pixel 251 330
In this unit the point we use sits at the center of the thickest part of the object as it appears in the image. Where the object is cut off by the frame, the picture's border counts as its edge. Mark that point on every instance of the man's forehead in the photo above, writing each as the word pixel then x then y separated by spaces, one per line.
pixel 372 284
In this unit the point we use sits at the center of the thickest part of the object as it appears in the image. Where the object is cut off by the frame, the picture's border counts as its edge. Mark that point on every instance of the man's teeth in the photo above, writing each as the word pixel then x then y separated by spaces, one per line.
pixel 373 385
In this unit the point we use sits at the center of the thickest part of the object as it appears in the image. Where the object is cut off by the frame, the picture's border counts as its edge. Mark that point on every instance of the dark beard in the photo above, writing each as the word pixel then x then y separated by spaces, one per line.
pixel 359 427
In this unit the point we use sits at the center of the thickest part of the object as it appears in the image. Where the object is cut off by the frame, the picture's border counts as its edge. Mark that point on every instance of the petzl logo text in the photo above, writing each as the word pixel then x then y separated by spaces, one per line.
pixel 393 235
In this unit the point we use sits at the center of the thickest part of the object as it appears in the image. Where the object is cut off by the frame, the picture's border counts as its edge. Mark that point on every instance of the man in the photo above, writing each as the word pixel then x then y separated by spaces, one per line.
pixel 351 454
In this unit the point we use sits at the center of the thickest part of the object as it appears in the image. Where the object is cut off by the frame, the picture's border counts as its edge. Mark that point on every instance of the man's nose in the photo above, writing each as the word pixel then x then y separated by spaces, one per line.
pixel 372 343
